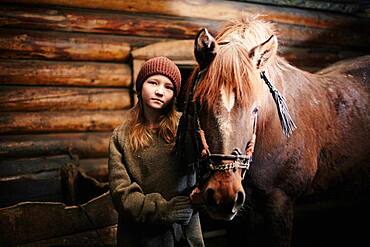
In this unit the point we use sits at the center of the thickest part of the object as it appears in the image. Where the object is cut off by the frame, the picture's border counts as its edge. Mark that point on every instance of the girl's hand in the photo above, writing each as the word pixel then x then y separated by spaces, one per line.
pixel 179 210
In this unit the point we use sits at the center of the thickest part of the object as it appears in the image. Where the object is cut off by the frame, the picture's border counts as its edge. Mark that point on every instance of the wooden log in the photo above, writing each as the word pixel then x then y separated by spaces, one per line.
pixel 43 186
pixel 18 98
pixel 315 57
pixel 218 10
pixel 37 72
pixel 22 44
pixel 97 237
pixel 341 7
pixel 15 167
pixel 56 178
pixel 77 187
pixel 51 220
pixel 97 22
pixel 96 168
pixel 51 122
pixel 177 50
pixel 85 145
pixel 181 52
pixel 351 33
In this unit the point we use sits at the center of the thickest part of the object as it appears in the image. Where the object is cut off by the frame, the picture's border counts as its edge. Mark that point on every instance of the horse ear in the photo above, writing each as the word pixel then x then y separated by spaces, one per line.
pixel 205 48
pixel 262 53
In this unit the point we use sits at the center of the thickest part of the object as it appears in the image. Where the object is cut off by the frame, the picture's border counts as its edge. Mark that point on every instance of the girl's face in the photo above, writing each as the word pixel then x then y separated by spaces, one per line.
pixel 157 92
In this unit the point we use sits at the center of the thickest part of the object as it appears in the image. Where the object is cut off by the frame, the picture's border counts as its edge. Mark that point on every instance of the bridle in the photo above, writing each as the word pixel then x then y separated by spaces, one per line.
pixel 206 161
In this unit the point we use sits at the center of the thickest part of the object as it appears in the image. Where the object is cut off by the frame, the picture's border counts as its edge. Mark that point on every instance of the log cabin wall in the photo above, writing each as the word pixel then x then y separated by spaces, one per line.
pixel 67 70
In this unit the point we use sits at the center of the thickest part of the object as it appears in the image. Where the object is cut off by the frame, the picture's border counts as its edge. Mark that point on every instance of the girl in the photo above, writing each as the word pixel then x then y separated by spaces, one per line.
pixel 147 183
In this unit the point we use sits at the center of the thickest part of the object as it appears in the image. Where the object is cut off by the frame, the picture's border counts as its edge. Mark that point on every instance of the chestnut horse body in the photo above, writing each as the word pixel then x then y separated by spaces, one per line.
pixel 328 152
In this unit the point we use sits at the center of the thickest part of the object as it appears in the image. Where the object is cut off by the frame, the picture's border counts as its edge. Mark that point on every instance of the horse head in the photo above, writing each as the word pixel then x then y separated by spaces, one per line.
pixel 227 94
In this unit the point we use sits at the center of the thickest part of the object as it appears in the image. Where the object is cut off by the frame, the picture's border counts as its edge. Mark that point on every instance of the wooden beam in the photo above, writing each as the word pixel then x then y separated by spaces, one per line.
pixel 341 7
pixel 85 145
pixel 28 44
pixel 15 167
pixel 349 33
pixel 97 22
pixel 315 57
pixel 50 220
pixel 217 10
pixel 176 50
pixel 181 51
pixel 18 98
pixel 37 72
pixel 96 168
pixel 42 186
pixel 51 122
pixel 97 237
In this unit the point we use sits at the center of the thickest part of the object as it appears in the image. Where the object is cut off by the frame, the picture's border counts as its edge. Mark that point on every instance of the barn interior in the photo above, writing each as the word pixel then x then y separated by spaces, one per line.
pixel 66 80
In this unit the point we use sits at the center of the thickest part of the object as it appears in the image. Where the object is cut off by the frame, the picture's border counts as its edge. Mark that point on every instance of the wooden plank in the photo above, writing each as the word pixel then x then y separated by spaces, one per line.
pixel 18 98
pixel 176 50
pixel 337 6
pixel 315 57
pixel 353 32
pixel 98 237
pixel 43 186
pixel 217 10
pixel 85 145
pixel 21 44
pixel 98 22
pixel 181 51
pixel 50 220
pixel 14 167
pixel 37 72
pixel 51 122
pixel 96 168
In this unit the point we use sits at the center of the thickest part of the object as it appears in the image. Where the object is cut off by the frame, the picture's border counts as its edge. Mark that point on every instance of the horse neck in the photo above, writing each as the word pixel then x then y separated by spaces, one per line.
pixel 290 82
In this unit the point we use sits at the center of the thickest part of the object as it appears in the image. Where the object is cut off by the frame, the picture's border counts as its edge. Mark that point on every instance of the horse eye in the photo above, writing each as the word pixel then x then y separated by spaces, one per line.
pixel 255 110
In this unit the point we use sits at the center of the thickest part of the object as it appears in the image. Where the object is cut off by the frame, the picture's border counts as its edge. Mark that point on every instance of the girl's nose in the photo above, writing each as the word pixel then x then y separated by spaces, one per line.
pixel 159 91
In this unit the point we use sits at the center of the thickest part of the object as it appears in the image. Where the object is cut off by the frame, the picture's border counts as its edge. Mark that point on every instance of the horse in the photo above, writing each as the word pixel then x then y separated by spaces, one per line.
pixel 310 140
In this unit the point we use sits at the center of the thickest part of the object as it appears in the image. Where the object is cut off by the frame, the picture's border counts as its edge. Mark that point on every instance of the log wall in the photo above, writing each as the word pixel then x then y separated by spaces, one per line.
pixel 67 70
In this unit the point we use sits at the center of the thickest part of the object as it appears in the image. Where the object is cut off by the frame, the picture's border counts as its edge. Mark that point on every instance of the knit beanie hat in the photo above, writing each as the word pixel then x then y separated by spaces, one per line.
pixel 162 66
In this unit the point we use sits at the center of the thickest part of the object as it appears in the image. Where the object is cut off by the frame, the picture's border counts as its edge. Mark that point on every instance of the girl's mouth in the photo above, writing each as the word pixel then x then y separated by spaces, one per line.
pixel 157 100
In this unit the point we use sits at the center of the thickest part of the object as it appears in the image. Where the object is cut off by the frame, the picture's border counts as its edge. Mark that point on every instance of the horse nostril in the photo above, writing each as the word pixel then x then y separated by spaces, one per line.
pixel 239 200
pixel 210 197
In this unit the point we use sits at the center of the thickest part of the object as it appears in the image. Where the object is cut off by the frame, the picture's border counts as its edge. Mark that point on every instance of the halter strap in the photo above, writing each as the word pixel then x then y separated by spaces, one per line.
pixel 239 160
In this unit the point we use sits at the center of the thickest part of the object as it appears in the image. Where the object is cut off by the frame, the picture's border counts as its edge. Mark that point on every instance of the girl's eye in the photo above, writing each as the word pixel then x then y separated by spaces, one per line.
pixel 152 82
pixel 169 87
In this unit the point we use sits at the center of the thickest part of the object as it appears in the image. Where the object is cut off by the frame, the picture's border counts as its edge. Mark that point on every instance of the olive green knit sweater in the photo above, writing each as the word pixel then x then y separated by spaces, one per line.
pixel 149 189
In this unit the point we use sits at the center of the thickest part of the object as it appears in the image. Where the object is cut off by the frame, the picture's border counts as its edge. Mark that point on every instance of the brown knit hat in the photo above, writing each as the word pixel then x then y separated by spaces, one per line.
pixel 162 66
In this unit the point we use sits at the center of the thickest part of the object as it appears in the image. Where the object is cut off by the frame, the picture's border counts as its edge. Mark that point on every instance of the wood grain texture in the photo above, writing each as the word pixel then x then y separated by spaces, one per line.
pixel 18 98
pixel 52 122
pixel 97 237
pixel 14 167
pixel 70 219
pixel 37 72
pixel 216 10
pixel 85 145
pixel 336 30
pixel 28 44
pixel 88 21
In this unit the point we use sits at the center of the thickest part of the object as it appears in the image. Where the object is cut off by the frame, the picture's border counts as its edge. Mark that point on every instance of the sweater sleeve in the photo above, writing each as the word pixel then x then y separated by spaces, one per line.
pixel 128 197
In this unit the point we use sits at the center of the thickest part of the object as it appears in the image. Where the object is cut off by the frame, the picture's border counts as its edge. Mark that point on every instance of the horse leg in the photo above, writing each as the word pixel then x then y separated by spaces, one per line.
pixel 278 214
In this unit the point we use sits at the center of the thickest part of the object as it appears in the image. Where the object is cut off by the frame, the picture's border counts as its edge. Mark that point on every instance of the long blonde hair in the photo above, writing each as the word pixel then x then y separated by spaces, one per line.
pixel 141 135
